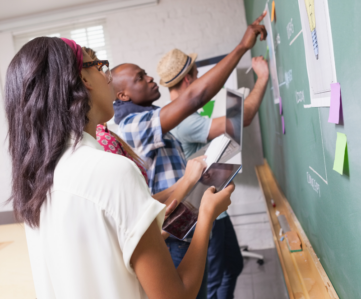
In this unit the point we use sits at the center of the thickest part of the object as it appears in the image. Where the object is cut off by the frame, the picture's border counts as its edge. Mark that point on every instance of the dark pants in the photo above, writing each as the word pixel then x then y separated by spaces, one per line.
pixel 225 261
pixel 178 250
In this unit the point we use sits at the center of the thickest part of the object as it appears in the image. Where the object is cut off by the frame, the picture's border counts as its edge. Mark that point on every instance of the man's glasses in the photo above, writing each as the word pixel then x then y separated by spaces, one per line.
pixel 102 66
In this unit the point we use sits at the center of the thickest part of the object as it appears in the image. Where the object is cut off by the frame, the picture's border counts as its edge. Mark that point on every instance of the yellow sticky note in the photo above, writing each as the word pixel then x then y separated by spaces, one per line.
pixel 341 144
pixel 273 11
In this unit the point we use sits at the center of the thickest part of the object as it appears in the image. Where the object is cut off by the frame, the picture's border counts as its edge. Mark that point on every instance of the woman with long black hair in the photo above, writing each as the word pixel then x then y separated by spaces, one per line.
pixel 92 227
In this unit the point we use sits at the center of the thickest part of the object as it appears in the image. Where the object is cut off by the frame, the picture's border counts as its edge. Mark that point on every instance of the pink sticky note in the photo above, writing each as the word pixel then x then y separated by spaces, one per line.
pixel 283 125
pixel 281 107
pixel 335 106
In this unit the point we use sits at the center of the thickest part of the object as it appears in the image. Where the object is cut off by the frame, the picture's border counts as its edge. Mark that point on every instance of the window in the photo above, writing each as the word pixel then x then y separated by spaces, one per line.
pixel 91 34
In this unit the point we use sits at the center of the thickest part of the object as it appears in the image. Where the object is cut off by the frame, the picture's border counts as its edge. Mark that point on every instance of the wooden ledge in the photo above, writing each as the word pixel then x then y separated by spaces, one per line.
pixel 304 275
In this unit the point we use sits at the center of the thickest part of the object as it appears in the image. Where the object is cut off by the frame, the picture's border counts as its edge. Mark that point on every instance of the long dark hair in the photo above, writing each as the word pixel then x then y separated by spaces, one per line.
pixel 46 102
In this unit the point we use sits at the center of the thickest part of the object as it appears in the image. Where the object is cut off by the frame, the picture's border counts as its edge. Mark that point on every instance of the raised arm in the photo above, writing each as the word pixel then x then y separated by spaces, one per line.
pixel 251 103
pixel 153 264
pixel 205 88
pixel 254 99
pixel 217 127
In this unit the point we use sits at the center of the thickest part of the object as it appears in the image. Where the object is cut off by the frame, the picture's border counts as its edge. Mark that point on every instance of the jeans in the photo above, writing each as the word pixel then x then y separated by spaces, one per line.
pixel 225 261
pixel 178 250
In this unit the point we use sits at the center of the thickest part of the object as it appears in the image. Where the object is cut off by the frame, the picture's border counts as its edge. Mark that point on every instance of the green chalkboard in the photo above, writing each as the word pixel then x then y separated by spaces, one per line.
pixel 327 204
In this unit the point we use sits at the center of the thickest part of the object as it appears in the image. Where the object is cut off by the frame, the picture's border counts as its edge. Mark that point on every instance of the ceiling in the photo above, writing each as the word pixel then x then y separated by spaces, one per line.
pixel 19 8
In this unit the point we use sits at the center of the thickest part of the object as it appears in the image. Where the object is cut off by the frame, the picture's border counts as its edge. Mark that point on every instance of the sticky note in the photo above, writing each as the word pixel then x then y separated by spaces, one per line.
pixel 281 107
pixel 208 109
pixel 336 105
pixel 283 125
pixel 273 11
pixel 341 145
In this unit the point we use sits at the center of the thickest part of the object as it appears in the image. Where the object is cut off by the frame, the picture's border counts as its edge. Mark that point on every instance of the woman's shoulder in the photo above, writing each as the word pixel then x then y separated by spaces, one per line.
pixel 116 164
pixel 117 178
pixel 107 176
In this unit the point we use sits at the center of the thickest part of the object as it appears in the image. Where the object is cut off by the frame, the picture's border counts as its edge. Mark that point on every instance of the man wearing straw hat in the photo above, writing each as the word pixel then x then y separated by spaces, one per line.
pixel 146 128
pixel 225 260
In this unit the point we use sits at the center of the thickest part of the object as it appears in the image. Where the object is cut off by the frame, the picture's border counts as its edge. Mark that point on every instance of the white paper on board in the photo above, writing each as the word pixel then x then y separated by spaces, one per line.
pixel 322 71
pixel 272 57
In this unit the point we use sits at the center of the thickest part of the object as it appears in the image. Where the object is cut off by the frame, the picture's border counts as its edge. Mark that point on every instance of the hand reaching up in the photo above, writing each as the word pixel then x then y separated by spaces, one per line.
pixel 250 37
pixel 260 67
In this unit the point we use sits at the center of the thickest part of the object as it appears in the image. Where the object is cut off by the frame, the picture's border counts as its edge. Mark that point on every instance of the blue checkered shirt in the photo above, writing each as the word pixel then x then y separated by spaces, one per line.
pixel 162 153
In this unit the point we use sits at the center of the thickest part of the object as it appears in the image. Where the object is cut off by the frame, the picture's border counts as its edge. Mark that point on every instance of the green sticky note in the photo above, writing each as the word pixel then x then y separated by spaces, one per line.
pixel 208 109
pixel 341 144
pixel 266 55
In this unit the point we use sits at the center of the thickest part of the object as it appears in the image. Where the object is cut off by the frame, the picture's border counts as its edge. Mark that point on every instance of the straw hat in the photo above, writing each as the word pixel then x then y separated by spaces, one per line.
pixel 174 66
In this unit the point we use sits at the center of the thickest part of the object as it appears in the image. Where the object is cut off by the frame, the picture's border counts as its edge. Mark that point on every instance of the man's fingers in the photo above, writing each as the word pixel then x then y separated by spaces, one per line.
pixel 260 18
pixel 201 158
pixel 261 29
pixel 258 58
pixel 263 33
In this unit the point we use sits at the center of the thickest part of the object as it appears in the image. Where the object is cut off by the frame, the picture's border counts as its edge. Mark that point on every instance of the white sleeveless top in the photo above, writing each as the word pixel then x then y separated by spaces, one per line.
pixel 98 210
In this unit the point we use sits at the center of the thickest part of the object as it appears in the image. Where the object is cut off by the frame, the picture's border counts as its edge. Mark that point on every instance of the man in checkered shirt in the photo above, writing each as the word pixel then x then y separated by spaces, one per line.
pixel 161 152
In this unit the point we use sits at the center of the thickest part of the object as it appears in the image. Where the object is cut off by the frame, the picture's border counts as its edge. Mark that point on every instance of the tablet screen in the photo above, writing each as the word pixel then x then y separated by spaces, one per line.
pixel 218 175
pixel 185 216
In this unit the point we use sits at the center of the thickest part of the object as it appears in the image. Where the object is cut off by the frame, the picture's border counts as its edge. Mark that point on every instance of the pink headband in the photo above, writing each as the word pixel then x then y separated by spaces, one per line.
pixel 77 51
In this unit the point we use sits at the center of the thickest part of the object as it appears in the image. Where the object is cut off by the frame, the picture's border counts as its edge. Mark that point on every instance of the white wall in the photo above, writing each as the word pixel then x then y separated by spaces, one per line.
pixel 207 27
